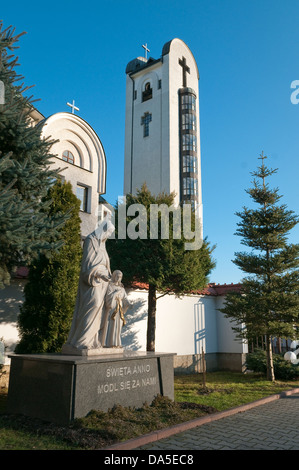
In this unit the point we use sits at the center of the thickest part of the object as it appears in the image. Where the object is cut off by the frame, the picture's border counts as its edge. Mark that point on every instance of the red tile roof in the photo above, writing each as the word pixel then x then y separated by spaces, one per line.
pixel 211 289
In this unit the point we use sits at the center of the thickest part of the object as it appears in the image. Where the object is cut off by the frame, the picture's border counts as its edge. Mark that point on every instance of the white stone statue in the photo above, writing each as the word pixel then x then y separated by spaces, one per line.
pixel 87 329
pixel 116 305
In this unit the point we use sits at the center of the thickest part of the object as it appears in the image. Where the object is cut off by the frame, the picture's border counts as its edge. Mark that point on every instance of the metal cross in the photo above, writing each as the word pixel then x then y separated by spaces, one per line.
pixel 185 68
pixel 73 107
pixel 146 50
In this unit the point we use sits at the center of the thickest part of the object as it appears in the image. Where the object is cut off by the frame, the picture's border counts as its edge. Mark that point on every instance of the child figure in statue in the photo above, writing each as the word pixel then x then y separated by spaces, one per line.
pixel 116 305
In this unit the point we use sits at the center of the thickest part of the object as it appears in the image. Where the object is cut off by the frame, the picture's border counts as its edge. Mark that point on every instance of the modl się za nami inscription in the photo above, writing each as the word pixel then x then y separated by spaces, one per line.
pixel 131 380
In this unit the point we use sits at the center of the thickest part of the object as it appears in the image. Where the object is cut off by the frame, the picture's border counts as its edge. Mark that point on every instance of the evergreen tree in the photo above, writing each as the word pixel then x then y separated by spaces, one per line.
pixel 25 174
pixel 50 294
pixel 268 304
pixel 162 263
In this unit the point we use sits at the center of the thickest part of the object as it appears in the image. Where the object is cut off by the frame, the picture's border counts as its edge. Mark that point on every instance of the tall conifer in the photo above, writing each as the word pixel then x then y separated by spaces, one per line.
pixel 268 304
pixel 25 175
pixel 50 293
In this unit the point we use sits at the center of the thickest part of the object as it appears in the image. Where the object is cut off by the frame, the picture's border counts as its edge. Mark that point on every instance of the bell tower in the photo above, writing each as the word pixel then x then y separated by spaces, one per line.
pixel 162 134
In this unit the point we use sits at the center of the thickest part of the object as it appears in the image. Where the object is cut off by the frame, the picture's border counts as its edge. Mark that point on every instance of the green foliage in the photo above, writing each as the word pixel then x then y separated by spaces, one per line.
pixel 284 370
pixel 25 174
pixel 163 264
pixel 269 302
pixel 50 293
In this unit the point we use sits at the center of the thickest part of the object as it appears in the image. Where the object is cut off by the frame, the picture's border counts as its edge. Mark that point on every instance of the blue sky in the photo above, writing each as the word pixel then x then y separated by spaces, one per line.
pixel 247 55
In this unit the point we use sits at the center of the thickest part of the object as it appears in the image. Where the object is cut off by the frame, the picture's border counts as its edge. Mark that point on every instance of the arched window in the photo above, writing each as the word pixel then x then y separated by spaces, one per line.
pixel 67 156
pixel 147 94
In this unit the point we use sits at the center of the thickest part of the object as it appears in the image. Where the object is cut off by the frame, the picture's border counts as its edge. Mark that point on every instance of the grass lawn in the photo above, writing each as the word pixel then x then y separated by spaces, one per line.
pixel 223 390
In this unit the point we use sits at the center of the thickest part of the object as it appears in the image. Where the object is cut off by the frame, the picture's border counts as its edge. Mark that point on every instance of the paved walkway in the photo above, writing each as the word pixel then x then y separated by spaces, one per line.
pixel 272 426
pixel 269 424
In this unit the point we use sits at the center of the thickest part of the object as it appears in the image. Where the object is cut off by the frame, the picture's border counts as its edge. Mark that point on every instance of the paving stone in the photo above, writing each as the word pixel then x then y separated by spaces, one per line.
pixel 271 426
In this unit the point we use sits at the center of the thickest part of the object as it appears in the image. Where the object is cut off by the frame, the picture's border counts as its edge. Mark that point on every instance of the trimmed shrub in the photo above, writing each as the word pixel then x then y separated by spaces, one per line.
pixel 284 370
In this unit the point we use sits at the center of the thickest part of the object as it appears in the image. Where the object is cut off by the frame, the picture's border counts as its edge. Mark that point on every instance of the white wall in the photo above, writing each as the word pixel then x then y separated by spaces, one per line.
pixel 226 336
pixel 11 298
pixel 183 326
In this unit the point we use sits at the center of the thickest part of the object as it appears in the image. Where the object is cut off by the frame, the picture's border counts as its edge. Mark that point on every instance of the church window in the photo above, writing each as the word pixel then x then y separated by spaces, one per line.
pixel 67 156
pixel 190 186
pixel 159 84
pixel 189 122
pixel 188 102
pixel 189 164
pixel 147 94
pixel 82 194
pixel 189 142
pixel 145 120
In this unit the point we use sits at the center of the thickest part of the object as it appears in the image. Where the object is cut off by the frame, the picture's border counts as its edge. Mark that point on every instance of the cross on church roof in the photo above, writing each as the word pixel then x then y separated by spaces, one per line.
pixel 185 68
pixel 146 50
pixel 73 107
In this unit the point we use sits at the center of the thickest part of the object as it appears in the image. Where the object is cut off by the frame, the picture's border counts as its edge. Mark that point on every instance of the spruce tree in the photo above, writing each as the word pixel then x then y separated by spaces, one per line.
pixel 50 294
pixel 163 264
pixel 25 174
pixel 268 304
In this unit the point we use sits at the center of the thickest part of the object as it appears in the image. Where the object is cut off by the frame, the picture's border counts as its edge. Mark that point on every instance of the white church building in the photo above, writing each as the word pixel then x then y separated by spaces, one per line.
pixel 80 155
pixel 162 148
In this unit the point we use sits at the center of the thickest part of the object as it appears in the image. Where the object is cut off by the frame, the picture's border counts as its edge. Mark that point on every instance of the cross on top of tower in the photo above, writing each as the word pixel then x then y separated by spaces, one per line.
pixel 185 68
pixel 73 107
pixel 146 50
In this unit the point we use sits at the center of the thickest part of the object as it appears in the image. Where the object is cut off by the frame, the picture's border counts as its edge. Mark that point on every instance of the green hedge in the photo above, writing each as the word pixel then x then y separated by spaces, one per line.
pixel 283 370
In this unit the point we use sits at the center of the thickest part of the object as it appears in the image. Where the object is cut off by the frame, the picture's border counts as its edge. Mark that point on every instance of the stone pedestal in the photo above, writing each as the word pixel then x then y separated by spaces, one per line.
pixel 69 350
pixel 60 388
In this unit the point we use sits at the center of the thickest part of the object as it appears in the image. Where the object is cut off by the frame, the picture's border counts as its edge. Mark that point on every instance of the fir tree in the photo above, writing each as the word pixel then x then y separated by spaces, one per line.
pixel 50 294
pixel 25 174
pixel 268 304
pixel 162 263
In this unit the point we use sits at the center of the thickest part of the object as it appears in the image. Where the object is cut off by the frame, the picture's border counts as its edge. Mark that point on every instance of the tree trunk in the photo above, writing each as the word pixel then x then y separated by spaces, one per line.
pixel 151 319
pixel 270 367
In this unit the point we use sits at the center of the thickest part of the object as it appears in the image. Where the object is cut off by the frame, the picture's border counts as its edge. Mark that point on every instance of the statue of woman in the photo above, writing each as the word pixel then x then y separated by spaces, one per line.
pixel 93 283
pixel 116 305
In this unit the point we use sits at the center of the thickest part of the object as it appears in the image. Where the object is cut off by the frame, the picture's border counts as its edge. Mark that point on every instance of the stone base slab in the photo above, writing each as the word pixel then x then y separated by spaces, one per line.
pixel 72 351
pixel 60 388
